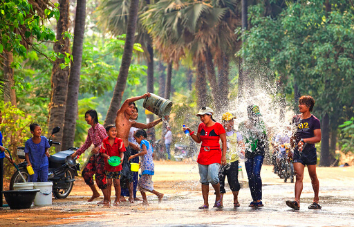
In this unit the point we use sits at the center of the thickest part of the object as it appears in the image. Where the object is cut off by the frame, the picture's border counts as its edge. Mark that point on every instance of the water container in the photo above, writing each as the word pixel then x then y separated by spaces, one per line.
pixel 44 196
pixel 134 167
pixel 23 186
pixel 158 105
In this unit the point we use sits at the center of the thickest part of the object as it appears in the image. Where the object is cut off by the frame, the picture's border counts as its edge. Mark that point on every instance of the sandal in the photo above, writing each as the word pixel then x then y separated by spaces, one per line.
pixel 203 207
pixel 236 205
pixel 315 206
pixel 252 204
pixel 218 203
pixel 259 204
pixel 293 204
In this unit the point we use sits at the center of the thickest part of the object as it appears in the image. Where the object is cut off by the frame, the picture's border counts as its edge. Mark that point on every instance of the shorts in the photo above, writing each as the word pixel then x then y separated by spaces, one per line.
pixel 307 157
pixel 230 170
pixel 209 173
pixel 112 175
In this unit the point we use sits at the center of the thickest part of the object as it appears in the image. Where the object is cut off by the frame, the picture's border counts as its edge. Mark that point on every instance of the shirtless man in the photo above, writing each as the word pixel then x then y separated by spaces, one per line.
pixel 123 125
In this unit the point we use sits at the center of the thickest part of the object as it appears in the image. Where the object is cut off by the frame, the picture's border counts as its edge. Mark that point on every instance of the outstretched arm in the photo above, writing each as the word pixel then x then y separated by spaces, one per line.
pixel 130 100
pixel 146 126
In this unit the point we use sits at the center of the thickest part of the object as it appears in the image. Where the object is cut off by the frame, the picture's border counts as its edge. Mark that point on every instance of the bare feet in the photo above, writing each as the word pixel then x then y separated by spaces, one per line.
pixel 137 199
pixel 116 203
pixel 160 197
pixel 145 203
pixel 122 199
pixel 94 196
pixel 131 200
pixel 106 204
pixel 101 202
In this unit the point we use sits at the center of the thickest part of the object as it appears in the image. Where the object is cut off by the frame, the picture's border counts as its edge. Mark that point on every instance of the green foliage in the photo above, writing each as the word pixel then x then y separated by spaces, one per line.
pixel 15 130
pixel 309 46
pixel 19 21
pixel 347 142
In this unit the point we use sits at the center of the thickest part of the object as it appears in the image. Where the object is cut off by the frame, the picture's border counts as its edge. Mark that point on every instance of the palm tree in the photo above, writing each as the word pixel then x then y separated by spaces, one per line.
pixel 74 80
pixel 126 60
pixel 59 76
pixel 113 16
pixel 195 27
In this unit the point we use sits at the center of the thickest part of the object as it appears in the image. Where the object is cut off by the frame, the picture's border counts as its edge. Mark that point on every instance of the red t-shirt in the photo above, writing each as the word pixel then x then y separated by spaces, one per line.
pixel 118 146
pixel 210 151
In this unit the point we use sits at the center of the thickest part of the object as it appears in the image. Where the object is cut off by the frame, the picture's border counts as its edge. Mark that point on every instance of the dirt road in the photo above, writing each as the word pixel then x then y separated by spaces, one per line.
pixel 179 182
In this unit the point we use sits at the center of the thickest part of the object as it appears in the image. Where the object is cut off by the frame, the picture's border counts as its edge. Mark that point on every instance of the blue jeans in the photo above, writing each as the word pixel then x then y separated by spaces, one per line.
pixel 253 169
pixel 40 175
pixel 168 151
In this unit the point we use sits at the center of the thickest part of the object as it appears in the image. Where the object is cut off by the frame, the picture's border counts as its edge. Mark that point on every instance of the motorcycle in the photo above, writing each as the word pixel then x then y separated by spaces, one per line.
pixel 182 151
pixel 285 166
pixel 62 169
pixel 159 152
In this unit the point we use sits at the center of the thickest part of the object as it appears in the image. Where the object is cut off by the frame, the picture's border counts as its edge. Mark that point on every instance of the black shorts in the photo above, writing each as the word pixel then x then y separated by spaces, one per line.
pixel 112 175
pixel 126 174
pixel 230 171
pixel 307 157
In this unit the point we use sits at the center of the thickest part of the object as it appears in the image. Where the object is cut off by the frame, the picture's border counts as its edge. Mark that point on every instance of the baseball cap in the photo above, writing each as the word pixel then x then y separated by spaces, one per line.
pixel 205 110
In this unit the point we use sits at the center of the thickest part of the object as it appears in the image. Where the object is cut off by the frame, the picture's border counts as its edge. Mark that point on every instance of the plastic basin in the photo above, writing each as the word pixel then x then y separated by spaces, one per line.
pixel 20 199
pixel 114 161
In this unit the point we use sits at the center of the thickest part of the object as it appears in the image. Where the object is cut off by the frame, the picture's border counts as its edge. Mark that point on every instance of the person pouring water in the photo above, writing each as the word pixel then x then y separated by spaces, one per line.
pixel 210 156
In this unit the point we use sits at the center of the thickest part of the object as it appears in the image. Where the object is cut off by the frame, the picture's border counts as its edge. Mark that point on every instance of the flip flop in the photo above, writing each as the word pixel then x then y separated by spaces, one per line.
pixel 236 205
pixel 259 204
pixel 293 204
pixel 315 206
pixel 218 203
pixel 252 204
pixel 203 207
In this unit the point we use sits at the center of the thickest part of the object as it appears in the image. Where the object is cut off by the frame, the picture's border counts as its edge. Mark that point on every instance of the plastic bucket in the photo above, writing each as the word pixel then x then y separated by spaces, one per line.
pixel 44 196
pixel 23 186
pixel 134 167
pixel 157 105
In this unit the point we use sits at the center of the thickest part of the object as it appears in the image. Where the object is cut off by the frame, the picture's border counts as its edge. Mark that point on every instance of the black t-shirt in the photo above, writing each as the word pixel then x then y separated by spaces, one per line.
pixel 305 128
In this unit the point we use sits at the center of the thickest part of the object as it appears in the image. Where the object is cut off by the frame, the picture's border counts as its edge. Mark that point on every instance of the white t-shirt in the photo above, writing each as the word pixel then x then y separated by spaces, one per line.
pixel 131 135
pixel 168 137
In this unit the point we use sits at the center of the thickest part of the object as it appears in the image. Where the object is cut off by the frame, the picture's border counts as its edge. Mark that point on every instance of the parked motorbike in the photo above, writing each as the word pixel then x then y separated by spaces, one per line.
pixel 182 151
pixel 62 169
pixel 285 168
pixel 159 151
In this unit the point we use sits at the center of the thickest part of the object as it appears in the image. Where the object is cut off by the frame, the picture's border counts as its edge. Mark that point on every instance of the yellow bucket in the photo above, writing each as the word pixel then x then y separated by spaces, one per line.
pixel 30 170
pixel 134 167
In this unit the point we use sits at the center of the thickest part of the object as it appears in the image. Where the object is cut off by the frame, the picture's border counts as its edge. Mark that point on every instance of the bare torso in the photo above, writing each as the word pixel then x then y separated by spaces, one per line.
pixel 123 125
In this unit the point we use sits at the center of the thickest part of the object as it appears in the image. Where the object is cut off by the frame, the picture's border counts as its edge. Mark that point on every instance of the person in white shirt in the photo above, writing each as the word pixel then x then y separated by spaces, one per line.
pixel 168 141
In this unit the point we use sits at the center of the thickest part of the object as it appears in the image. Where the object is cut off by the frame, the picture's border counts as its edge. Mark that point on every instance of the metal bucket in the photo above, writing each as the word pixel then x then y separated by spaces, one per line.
pixel 157 105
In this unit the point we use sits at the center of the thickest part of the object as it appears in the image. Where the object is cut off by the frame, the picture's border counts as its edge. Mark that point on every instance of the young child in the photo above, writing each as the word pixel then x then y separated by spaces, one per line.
pixel 112 146
pixel 36 153
pixel 147 166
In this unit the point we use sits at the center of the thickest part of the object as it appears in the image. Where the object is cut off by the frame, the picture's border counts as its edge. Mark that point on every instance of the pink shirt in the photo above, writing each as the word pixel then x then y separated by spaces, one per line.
pixel 95 136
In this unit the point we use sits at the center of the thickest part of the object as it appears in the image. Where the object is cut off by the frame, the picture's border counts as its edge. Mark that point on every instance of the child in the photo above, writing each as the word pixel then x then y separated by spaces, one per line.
pixel 36 153
pixel 147 166
pixel 112 146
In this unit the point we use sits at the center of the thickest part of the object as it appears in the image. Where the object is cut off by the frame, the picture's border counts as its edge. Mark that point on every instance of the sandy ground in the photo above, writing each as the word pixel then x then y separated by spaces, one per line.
pixel 179 182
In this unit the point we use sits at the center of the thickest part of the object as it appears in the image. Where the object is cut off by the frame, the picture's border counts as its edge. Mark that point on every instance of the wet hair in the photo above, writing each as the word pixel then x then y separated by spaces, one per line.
pixel 93 114
pixel 33 126
pixel 109 127
pixel 140 132
pixel 132 103
pixel 136 108
pixel 308 101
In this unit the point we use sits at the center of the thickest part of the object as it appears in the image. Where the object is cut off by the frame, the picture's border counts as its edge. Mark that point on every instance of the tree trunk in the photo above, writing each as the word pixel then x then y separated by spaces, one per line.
pixel 162 79
pixel 59 76
pixel 224 80
pixel 168 81
pixel 201 85
pixel 126 60
pixel 242 78
pixel 297 95
pixel 150 72
pixel 333 144
pixel 71 111
pixel 324 161
pixel 9 91
pixel 212 79
pixel 189 79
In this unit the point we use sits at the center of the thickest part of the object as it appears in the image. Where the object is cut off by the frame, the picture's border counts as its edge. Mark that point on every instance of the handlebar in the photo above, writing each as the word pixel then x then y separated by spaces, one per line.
pixel 57 143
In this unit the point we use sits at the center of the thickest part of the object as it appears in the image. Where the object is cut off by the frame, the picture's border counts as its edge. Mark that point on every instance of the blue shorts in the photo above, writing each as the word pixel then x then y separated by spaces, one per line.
pixel 209 173
pixel 307 157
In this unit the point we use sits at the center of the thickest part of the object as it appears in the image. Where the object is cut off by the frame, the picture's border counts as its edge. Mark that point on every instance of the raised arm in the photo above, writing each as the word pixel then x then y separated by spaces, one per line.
pixel 130 100
pixel 146 126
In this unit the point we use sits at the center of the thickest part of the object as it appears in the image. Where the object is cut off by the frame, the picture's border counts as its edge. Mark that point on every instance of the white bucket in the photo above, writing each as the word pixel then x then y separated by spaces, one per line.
pixel 22 186
pixel 44 196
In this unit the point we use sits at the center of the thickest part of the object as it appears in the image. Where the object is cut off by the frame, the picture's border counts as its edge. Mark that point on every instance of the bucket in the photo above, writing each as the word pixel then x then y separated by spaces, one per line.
pixel 134 167
pixel 158 105
pixel 23 186
pixel 44 196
